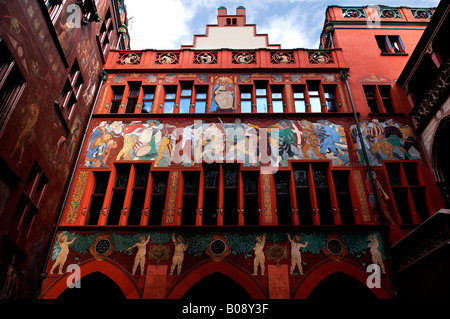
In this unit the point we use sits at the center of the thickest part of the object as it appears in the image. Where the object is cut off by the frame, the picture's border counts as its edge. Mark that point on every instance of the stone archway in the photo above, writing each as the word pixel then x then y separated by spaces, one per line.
pixel 108 268
pixel 217 287
pixel 329 268
pixel 249 284
pixel 95 286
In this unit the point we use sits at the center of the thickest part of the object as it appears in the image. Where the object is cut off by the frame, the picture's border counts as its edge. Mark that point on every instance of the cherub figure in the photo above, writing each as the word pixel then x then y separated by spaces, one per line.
pixel 259 255
pixel 296 257
pixel 62 256
pixel 376 254
pixel 140 255
pixel 178 255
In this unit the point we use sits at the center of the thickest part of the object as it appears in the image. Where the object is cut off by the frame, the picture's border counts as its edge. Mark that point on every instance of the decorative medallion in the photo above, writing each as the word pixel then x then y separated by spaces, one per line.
pixel 390 13
pixel 159 253
pixel 244 58
pixel 205 58
pixel 353 13
pixel 422 14
pixel 167 58
pixel 334 247
pixel 281 57
pixel 129 58
pixel 218 247
pixel 102 247
pixel 276 253
pixel 320 57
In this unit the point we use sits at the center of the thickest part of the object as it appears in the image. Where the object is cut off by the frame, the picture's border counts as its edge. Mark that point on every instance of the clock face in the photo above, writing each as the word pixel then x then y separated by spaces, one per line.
pixel 217 247
pixel 102 246
pixel 334 246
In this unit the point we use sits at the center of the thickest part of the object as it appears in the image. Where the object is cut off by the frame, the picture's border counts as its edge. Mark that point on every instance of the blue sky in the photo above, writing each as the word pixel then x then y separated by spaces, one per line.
pixel 168 24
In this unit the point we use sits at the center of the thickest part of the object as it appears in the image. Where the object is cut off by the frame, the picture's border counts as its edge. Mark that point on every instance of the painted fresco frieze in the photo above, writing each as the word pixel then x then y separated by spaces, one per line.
pixel 251 143
pixel 388 140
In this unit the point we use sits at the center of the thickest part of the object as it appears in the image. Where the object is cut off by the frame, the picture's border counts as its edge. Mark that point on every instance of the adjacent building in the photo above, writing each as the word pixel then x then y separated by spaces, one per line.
pixel 235 168
pixel 52 58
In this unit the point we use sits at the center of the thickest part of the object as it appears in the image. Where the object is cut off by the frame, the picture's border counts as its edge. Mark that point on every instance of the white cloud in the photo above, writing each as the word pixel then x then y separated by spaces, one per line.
pixel 168 24
pixel 292 30
pixel 158 24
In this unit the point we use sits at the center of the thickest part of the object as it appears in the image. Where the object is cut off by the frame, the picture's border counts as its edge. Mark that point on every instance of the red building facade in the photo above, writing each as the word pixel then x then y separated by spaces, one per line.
pixel 52 57
pixel 268 172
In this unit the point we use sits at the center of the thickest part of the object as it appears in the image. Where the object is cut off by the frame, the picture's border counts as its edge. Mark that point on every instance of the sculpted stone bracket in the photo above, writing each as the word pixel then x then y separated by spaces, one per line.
pixel 429 105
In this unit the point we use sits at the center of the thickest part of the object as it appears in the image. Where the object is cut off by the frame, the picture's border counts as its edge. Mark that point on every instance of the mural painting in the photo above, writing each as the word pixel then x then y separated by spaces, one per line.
pixel 248 143
pixel 223 96
pixel 387 140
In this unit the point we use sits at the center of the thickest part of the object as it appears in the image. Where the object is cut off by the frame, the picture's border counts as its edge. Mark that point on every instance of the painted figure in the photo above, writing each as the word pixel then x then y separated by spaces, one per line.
pixel 286 138
pixel 377 259
pixel 331 141
pixel 310 140
pixel 62 256
pixel 11 288
pixel 223 95
pixel 386 141
pixel 140 255
pixel 382 198
pixel 259 255
pixel 27 134
pixel 296 257
pixel 178 255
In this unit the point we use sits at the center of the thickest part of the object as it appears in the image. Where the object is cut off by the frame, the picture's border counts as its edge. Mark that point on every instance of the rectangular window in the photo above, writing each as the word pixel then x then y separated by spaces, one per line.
pixel 169 98
pixel 283 197
pixel 314 96
pixel 303 193
pixel 322 191
pixel 71 90
pixel 261 97
pixel 390 44
pixel 158 195
pixel 343 195
pixel 313 193
pixel 385 94
pixel 30 201
pixel 277 99
pixel 379 98
pixel 147 100
pixel 251 206
pixel 185 98
pixel 246 99
pixel 190 193
pixel 97 197
pixel 230 194
pixel 200 98
pixel 53 7
pixel 118 195
pixel 329 92
pixel 105 32
pixel 210 194
pixel 133 94
pixel 299 98
pixel 408 190
pixel 12 83
pixel 138 193
pixel 116 99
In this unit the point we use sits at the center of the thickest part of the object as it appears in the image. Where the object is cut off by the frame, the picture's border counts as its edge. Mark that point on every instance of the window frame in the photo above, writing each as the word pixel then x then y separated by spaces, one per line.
pixel 9 71
pixel 379 99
